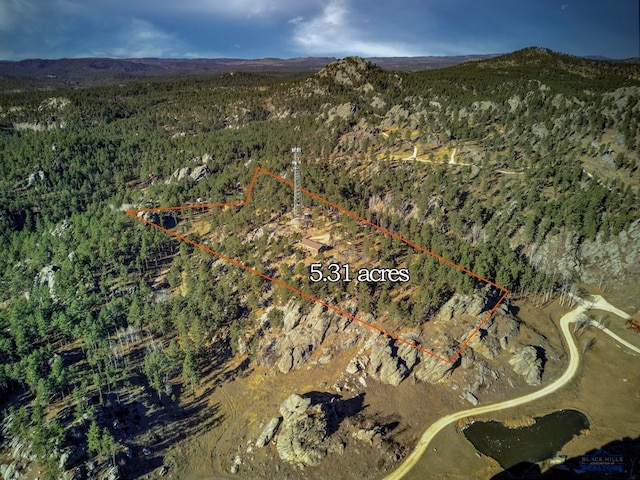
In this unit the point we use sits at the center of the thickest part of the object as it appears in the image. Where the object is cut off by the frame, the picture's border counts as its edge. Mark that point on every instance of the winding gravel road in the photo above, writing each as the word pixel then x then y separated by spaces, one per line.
pixel 574 361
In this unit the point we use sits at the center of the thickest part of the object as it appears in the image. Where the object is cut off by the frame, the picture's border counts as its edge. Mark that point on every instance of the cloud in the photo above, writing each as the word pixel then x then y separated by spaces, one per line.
pixel 332 33
pixel 234 9
pixel 69 28
pixel 11 11
pixel 564 6
pixel 136 38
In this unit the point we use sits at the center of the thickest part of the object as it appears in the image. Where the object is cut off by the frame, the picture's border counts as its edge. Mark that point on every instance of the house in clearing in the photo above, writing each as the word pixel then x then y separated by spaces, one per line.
pixel 314 247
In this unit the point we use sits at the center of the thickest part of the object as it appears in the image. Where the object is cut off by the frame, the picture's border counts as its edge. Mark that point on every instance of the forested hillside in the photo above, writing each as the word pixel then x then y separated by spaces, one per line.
pixel 508 167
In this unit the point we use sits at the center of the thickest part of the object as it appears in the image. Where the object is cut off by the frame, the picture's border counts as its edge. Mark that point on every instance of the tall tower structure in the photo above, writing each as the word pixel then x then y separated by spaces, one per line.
pixel 297 192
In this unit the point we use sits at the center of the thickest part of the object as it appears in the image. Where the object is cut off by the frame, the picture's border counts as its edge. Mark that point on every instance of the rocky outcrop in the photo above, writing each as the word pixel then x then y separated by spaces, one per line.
pixel 268 432
pixel 343 112
pixel 35 178
pixel 391 361
pixel 152 217
pixel 291 317
pixel 195 174
pixel 527 362
pixel 432 369
pixel 487 346
pixel 462 305
pixel 590 261
pixel 46 276
pixel 198 173
pixel 304 431
pixel 300 336
pixel 10 472
pixel 61 228
pixel 350 71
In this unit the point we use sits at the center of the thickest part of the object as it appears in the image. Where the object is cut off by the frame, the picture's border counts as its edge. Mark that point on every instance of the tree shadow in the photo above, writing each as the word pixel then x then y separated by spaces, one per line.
pixel 168 424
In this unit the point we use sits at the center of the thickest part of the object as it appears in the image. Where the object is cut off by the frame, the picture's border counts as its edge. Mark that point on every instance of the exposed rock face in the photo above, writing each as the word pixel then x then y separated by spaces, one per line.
pixel 291 317
pixel 526 362
pixel 199 173
pixel 462 304
pixel 35 178
pixel 344 112
pixel 391 363
pixel 487 346
pixel 432 369
pixel 300 337
pixel 304 430
pixel 616 257
pixel 46 276
pixel 152 217
pixel 268 432
pixel 9 472
pixel 196 174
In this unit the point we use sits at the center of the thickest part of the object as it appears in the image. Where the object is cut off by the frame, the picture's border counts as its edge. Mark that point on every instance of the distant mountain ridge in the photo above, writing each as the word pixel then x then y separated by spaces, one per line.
pixel 82 67
pixel 82 72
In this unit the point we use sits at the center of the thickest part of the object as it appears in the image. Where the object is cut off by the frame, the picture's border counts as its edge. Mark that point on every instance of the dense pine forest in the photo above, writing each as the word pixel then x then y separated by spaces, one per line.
pixel 513 153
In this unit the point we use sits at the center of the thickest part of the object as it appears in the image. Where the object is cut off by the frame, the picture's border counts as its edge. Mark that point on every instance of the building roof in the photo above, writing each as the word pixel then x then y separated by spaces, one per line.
pixel 307 242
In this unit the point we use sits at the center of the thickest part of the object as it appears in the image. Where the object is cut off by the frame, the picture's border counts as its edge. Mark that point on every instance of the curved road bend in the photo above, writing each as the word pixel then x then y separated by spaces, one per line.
pixel 574 360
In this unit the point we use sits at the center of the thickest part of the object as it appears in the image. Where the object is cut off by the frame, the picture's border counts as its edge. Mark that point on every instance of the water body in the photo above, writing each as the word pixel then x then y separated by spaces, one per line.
pixel 542 440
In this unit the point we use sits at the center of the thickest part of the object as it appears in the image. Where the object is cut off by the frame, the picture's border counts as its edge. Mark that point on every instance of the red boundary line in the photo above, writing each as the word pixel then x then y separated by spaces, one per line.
pixel 134 214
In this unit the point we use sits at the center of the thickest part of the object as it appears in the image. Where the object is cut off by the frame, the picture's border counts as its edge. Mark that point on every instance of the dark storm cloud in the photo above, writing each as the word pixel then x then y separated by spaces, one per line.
pixel 286 28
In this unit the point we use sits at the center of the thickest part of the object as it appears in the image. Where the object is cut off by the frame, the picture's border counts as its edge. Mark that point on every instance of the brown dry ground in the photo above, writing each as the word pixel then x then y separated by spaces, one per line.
pixel 606 389
pixel 244 403
pixel 247 403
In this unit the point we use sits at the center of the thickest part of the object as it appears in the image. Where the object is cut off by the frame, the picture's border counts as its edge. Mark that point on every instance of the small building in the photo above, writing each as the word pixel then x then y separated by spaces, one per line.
pixel 313 246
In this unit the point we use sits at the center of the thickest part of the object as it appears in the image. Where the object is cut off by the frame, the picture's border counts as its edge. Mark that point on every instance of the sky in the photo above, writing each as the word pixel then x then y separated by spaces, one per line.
pixel 302 28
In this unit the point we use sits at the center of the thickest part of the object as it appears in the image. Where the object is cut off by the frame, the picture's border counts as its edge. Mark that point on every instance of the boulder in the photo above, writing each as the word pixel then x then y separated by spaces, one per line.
pixel 152 217
pixel 198 173
pixel 236 464
pixel 391 361
pixel 471 398
pixel 286 361
pixel 353 366
pixel 291 317
pixel 384 365
pixel 268 432
pixel 304 430
pixel 526 362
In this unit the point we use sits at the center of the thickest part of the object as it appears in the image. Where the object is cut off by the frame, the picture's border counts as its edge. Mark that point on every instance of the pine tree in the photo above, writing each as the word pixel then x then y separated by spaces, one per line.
pixel 108 445
pixel 93 438
pixel 190 372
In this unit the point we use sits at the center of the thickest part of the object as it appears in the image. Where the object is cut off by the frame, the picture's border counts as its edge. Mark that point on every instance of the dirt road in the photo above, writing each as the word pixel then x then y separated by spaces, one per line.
pixel 574 361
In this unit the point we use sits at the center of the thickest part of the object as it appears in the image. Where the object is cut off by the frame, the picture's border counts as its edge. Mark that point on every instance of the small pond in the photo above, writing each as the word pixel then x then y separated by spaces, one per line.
pixel 542 440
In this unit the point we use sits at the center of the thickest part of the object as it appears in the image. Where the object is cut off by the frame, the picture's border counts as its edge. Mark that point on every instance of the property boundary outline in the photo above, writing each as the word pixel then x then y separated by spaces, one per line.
pixel 134 214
